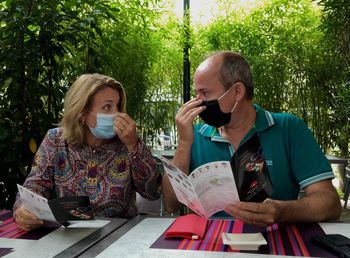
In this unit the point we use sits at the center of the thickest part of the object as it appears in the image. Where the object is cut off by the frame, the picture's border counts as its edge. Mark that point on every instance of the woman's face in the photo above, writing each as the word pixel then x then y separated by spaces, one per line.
pixel 105 101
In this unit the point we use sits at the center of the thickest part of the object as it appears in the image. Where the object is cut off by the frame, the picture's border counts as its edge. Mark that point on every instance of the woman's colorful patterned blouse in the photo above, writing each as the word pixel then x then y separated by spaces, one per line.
pixel 108 174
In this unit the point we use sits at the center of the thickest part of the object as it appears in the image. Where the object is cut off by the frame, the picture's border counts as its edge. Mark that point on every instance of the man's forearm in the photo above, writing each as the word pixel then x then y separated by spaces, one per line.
pixel 317 207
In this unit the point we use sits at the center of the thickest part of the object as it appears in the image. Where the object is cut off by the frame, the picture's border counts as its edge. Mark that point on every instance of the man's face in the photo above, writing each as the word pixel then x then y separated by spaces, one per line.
pixel 206 81
pixel 208 86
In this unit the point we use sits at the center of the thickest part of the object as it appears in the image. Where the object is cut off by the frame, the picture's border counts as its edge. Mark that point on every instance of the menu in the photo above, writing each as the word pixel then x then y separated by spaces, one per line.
pixel 63 210
pixel 207 190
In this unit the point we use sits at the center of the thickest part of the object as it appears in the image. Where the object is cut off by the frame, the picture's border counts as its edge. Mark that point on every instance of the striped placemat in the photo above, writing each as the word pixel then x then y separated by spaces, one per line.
pixel 283 239
pixel 8 228
pixel 5 251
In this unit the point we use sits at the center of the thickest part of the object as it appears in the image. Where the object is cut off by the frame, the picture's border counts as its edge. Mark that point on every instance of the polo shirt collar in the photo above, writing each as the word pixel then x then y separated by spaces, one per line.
pixel 211 132
pixel 264 120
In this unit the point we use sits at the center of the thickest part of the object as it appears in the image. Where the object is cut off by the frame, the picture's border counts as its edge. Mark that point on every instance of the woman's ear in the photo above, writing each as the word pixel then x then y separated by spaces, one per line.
pixel 82 118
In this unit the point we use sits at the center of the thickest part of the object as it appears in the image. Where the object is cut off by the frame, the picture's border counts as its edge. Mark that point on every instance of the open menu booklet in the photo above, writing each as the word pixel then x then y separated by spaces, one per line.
pixel 207 190
pixel 69 211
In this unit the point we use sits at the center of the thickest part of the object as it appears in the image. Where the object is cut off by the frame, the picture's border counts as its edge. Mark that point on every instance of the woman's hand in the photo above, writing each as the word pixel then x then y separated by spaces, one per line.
pixel 126 131
pixel 26 220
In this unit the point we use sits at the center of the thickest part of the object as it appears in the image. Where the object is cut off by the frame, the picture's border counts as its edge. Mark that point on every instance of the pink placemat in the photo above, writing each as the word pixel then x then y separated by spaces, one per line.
pixel 8 228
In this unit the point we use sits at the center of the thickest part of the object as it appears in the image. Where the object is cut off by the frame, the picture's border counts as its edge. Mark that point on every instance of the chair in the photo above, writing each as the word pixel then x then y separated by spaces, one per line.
pixel 346 186
pixel 147 207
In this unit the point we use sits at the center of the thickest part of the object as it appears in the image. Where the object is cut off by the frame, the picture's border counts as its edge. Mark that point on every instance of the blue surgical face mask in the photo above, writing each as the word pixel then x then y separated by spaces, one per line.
pixel 104 128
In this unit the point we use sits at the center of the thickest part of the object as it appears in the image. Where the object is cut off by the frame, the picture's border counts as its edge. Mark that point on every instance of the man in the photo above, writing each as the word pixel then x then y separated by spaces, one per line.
pixel 293 160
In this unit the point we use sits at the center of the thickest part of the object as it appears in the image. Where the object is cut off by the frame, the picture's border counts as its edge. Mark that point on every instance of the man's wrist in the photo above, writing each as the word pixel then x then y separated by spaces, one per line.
pixel 283 211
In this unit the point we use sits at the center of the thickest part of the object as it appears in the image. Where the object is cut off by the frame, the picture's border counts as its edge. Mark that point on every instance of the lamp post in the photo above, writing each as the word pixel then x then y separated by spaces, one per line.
pixel 186 64
pixel 186 61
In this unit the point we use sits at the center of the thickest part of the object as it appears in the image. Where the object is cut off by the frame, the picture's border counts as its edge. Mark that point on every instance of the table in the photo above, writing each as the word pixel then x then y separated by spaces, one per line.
pixel 62 242
pixel 134 238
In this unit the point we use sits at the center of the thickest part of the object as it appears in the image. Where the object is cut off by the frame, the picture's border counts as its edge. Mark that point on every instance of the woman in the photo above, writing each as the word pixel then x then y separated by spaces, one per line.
pixel 95 152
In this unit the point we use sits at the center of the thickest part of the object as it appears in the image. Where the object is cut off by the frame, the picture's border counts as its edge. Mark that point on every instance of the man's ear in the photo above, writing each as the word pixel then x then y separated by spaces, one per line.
pixel 239 90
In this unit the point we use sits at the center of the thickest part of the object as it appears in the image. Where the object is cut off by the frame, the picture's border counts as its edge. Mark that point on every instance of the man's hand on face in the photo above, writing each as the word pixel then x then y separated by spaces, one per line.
pixel 184 120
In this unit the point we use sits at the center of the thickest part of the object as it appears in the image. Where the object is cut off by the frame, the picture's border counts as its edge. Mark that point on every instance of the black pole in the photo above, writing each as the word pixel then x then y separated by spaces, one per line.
pixel 186 66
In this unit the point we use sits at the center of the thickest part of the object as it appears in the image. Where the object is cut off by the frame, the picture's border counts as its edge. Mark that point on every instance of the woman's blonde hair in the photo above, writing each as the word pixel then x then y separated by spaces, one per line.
pixel 78 100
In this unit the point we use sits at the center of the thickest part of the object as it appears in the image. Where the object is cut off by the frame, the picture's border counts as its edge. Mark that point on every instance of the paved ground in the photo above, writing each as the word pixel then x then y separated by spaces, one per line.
pixel 338 184
pixel 345 216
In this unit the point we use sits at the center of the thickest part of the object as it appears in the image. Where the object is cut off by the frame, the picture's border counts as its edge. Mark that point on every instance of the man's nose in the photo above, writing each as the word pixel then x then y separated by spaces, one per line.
pixel 200 96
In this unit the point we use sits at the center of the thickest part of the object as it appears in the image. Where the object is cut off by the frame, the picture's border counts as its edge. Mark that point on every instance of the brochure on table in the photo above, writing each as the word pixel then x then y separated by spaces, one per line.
pixel 70 211
pixel 207 190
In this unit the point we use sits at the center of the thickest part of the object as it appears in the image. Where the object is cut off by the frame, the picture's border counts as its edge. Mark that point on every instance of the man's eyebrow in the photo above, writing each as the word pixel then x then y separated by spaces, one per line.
pixel 200 89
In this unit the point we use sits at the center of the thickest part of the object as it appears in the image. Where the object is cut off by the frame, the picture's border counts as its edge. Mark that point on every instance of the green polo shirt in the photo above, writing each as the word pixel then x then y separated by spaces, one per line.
pixel 293 157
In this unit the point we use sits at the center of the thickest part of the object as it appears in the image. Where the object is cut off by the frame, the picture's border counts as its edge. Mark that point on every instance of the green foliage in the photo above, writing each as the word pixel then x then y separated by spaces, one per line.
pixel 336 27
pixel 299 52
pixel 44 46
pixel 294 65
pixel 164 95
pixel 134 54
pixel 31 46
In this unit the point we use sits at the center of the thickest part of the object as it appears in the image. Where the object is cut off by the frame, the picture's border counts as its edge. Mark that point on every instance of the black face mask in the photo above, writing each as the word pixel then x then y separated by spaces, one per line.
pixel 213 115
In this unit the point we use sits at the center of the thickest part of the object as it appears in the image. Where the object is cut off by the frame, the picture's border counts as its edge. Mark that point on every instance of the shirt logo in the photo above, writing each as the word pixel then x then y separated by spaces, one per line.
pixel 269 162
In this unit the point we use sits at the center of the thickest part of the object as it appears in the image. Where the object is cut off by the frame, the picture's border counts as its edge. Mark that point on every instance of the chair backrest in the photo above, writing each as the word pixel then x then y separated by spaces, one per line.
pixel 148 207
